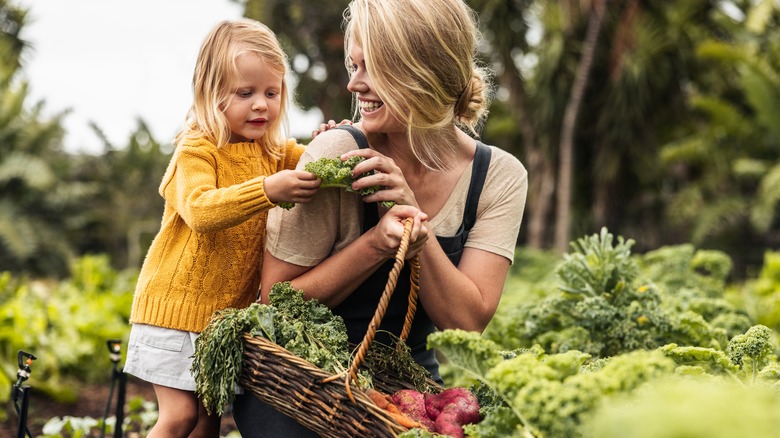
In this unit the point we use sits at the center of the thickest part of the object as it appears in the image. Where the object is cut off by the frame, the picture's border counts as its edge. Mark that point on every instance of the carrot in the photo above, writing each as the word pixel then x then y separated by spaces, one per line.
pixel 403 420
pixel 378 398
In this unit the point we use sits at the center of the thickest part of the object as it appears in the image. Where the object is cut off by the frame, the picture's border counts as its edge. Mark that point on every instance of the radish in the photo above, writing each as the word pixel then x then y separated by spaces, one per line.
pixel 412 404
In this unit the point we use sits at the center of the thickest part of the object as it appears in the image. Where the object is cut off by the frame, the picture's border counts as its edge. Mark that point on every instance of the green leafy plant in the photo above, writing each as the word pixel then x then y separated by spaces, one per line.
pixel 65 324
pixel 611 301
pixel 337 173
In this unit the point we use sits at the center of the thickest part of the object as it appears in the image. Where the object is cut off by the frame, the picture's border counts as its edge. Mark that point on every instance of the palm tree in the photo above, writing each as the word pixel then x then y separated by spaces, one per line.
pixel 36 200
pixel 727 166
pixel 124 215
pixel 569 125
pixel 311 35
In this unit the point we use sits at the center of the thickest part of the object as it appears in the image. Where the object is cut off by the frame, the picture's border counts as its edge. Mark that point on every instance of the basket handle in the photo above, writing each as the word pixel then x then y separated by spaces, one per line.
pixel 368 339
pixel 415 287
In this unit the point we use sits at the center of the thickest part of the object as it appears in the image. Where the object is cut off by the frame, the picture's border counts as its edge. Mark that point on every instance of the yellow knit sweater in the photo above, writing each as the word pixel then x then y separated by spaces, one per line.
pixel 208 252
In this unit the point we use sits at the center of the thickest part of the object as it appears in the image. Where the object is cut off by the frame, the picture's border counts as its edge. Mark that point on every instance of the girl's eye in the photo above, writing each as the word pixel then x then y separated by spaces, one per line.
pixel 244 93
pixel 353 68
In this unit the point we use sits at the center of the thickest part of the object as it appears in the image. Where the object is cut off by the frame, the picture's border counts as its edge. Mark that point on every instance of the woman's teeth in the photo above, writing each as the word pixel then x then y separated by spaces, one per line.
pixel 370 106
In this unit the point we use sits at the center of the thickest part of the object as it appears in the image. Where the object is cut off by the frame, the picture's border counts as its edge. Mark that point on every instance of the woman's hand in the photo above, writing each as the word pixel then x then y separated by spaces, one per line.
pixel 296 186
pixel 328 126
pixel 388 232
pixel 386 174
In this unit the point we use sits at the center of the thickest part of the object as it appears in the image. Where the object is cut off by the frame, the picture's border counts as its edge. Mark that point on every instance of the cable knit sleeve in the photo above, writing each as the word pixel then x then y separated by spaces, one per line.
pixel 212 191
pixel 292 154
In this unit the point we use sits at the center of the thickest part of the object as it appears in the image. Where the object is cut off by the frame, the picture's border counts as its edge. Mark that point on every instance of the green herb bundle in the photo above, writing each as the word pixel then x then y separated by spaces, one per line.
pixel 306 328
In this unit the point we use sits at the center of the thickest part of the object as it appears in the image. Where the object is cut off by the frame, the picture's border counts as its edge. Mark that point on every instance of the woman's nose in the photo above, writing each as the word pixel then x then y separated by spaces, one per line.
pixel 357 83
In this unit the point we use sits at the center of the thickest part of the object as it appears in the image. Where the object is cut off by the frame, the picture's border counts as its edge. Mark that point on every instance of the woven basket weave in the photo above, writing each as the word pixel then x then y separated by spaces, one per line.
pixel 330 405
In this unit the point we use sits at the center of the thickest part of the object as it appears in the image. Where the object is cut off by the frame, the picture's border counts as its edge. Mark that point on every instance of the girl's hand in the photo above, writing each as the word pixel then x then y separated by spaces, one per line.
pixel 296 186
pixel 388 232
pixel 386 174
pixel 330 125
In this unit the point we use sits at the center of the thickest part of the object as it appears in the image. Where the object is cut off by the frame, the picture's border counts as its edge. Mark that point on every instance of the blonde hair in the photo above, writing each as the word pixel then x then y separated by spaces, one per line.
pixel 213 79
pixel 421 56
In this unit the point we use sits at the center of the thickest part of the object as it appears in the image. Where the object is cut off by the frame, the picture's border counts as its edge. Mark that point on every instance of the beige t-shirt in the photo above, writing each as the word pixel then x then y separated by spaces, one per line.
pixel 309 233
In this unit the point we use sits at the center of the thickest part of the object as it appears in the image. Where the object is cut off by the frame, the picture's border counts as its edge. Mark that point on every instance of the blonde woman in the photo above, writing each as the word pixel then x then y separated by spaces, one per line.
pixel 232 164
pixel 421 98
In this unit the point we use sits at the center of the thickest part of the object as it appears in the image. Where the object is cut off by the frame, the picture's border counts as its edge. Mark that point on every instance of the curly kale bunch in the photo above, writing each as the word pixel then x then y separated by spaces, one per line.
pixel 601 309
pixel 309 329
pixel 611 302
pixel 336 173
pixel 529 393
pixel 753 350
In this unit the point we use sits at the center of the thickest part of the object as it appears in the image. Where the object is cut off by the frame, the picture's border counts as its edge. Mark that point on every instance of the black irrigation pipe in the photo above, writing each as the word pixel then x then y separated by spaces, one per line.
pixel 20 393
pixel 117 375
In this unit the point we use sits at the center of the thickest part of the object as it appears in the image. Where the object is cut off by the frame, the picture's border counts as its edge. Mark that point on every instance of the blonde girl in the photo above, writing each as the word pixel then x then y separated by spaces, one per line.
pixel 232 164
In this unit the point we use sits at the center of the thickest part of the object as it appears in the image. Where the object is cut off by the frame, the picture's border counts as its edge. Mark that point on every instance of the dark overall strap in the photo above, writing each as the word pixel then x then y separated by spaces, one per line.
pixel 478 173
pixel 453 245
pixel 357 134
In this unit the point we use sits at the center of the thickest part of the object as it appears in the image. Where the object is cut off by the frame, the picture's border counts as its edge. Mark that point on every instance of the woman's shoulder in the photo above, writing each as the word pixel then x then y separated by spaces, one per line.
pixel 331 143
pixel 502 161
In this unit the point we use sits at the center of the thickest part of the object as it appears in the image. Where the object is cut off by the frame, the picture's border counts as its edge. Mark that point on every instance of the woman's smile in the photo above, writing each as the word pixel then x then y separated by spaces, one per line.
pixel 369 106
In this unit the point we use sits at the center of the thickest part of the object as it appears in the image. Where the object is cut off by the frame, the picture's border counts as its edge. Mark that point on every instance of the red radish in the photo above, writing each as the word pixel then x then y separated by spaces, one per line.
pixel 451 409
pixel 412 403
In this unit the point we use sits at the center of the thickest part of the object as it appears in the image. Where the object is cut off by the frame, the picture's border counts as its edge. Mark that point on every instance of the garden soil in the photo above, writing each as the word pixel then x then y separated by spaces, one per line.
pixel 92 400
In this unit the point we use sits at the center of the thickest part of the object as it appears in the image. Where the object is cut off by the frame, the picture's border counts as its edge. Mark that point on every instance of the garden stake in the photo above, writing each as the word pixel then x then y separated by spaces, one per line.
pixel 22 392
pixel 114 347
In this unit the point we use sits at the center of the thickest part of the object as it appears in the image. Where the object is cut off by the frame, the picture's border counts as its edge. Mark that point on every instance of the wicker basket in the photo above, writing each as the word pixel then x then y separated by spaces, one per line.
pixel 329 405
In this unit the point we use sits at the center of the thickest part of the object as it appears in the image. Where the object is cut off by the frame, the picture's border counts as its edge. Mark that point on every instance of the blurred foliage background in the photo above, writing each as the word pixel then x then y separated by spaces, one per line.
pixel 653 118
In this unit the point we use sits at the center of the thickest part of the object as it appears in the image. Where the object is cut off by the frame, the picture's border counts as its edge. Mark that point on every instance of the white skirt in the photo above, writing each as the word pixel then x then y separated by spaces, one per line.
pixel 161 356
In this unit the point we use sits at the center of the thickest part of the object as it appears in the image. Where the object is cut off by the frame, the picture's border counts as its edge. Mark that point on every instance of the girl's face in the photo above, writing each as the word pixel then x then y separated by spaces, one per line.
pixel 257 99
pixel 375 117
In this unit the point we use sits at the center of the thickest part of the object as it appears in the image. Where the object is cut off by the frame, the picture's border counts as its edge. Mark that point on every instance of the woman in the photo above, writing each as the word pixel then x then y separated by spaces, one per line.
pixel 418 91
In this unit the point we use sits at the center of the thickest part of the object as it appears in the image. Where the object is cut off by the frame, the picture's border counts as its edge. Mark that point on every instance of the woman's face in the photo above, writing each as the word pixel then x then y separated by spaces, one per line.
pixel 375 117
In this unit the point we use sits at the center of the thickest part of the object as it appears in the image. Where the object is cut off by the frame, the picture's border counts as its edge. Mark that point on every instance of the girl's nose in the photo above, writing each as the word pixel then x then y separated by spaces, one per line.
pixel 259 103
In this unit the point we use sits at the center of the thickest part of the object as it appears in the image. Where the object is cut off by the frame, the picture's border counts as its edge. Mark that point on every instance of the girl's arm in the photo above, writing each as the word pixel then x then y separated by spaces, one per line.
pixel 190 186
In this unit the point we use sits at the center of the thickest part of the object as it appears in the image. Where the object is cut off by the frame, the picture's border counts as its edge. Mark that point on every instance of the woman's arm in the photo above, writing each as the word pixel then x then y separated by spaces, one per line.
pixel 333 280
pixel 466 296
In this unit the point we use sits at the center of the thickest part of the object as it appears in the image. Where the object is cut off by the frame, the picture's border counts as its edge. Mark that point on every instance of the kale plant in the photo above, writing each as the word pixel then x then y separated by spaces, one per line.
pixel 337 173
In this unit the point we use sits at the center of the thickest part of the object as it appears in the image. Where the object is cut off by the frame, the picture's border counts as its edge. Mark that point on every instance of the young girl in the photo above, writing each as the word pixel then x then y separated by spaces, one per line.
pixel 231 165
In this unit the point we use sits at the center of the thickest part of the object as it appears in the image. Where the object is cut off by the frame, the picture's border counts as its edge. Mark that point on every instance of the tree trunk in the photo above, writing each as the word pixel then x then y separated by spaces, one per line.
pixel 541 178
pixel 569 125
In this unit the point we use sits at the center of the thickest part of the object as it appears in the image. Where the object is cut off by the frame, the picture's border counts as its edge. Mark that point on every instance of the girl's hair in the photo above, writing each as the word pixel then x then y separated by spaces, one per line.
pixel 421 59
pixel 214 78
